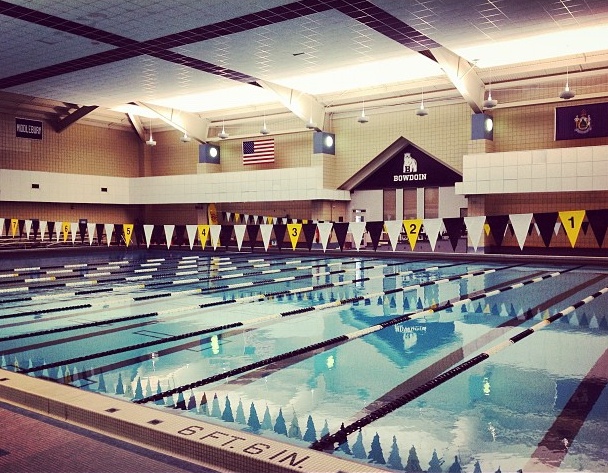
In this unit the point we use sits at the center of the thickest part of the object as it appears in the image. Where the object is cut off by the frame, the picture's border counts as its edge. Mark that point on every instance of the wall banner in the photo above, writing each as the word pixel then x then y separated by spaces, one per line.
pixel 581 121
pixel 26 128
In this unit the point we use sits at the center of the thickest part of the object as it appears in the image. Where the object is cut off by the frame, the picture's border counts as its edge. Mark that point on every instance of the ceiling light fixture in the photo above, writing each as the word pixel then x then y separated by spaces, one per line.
pixel 151 141
pixel 422 112
pixel 264 130
pixel 185 138
pixel 490 102
pixel 566 94
pixel 222 134
pixel 363 118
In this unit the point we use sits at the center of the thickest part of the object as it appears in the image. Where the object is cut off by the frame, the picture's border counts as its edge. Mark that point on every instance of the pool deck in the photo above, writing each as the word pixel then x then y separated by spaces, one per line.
pixel 48 427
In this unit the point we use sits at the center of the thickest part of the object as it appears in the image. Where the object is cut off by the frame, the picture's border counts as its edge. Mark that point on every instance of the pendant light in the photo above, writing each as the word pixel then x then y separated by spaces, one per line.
pixel 363 118
pixel 222 134
pixel 264 130
pixel 566 94
pixel 422 112
pixel 151 141
pixel 490 102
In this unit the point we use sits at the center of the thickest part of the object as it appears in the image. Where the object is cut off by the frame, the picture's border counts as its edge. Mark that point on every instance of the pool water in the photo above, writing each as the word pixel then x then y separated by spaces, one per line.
pixel 291 346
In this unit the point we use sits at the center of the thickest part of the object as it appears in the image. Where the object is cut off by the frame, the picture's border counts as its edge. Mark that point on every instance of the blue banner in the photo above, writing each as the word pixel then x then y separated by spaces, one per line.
pixel 581 121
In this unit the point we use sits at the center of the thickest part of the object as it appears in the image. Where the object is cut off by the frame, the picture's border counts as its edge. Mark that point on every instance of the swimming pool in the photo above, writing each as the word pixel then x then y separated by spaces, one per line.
pixel 393 360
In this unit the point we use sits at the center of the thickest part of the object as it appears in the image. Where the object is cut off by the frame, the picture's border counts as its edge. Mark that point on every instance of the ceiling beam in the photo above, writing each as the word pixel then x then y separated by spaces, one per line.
pixel 137 126
pixel 303 105
pixel 61 123
pixel 462 74
pixel 185 122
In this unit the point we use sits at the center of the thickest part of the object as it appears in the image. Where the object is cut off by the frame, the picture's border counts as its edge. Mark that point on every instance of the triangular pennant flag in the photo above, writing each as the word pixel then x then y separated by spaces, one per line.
pixel 15 227
pixel 475 229
pixel 412 230
pixel 148 229
pixel 203 234
pixel 65 230
pixel 245 218
pixel 128 229
pixel 73 230
pixel 99 232
pixel 453 227
pixel 375 232
pixel 556 227
pixel 109 228
pixel 324 233
pixel 545 221
pixel 91 232
pixel 214 232
pixel 179 232
pixel 521 227
pixel 35 228
pixel 294 230
pixel 28 227
pixel 341 229
pixel 309 230
pixel 237 217
pixel 42 229
pixel 585 227
pixel 432 227
pixel 279 234
pixel 572 221
pixel 226 235
pixel 393 229
pixel 58 229
pixel 82 229
pixel 118 230
pixel 357 229
pixel 598 221
pixel 486 229
pixel 498 226
pixel 266 231
pixel 228 215
pixel 169 234
pixel 252 234
pixel 191 231
pixel 239 232
pixel 2 226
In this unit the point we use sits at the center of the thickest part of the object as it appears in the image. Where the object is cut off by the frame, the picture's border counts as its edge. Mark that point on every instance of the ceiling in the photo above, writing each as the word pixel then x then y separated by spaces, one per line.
pixel 228 61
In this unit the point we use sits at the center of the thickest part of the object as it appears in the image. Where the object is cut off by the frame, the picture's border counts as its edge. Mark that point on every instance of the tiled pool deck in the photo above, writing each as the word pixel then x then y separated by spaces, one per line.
pixel 47 427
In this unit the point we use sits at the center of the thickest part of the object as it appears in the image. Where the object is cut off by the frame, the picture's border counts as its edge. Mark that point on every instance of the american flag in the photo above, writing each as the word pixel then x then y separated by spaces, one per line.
pixel 258 151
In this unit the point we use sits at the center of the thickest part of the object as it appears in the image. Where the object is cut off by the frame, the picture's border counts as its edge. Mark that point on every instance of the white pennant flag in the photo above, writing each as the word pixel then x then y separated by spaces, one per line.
pixel 169 234
pixel 393 229
pixel 73 229
pixel 91 232
pixel 266 230
pixel 148 232
pixel 228 215
pixel 357 229
pixel 28 227
pixel 42 229
pixel 1 226
pixel 58 230
pixel 475 229
pixel 521 225
pixel 432 227
pixel 239 232
pixel 324 233
pixel 109 227
pixel 191 230
pixel 214 232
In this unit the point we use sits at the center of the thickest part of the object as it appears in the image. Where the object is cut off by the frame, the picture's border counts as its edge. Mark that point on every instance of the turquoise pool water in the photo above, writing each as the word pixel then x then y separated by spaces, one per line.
pixel 298 346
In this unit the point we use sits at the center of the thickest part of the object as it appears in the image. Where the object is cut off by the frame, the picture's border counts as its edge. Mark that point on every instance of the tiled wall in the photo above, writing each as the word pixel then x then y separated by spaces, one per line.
pixel 79 149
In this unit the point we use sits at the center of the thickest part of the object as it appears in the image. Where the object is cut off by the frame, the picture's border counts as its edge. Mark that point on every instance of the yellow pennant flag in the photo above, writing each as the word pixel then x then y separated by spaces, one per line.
pixel 572 220
pixel 294 230
pixel 128 229
pixel 14 226
pixel 203 234
pixel 237 217
pixel 486 228
pixel 65 227
pixel 268 219
pixel 412 230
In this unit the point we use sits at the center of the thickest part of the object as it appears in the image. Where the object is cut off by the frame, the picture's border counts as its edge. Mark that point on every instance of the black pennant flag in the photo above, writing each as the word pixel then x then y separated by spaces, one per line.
pixel 252 233
pixel 279 233
pixel 598 221
pixel 453 227
pixel 309 230
pixel 226 235
pixel 546 225
pixel 375 232
pixel 341 229
pixel 498 225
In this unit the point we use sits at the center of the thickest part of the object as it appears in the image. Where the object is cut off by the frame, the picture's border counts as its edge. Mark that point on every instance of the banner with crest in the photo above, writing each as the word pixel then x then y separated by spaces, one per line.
pixel 581 121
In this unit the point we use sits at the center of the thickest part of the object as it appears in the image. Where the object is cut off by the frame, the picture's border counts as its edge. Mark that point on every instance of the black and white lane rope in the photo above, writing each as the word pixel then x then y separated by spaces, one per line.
pixel 323 344
pixel 330 441
pixel 255 321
